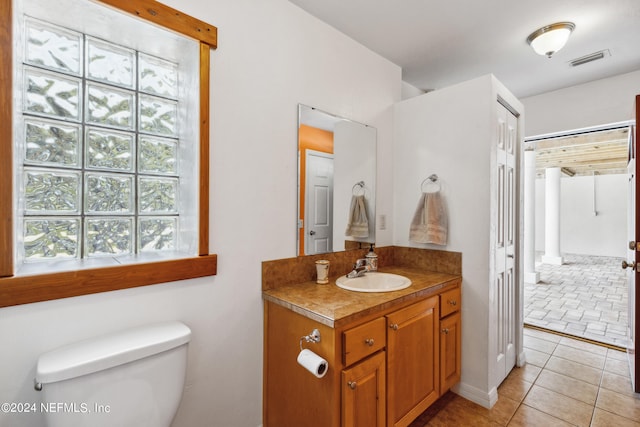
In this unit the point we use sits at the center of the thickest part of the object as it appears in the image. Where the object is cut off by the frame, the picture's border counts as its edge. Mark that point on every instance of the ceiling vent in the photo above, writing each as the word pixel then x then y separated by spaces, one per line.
pixel 590 58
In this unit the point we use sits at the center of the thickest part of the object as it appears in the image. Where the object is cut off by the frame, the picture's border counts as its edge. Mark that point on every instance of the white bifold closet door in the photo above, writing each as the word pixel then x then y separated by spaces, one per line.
pixel 504 277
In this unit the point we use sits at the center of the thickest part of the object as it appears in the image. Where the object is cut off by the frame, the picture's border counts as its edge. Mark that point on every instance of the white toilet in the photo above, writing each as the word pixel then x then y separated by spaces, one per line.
pixel 133 378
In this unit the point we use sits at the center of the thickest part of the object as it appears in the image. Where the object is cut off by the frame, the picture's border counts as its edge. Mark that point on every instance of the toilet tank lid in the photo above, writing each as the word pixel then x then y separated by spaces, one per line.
pixel 104 352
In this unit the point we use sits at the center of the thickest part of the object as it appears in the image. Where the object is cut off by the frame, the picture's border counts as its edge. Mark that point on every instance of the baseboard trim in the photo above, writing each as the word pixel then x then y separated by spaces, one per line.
pixel 482 398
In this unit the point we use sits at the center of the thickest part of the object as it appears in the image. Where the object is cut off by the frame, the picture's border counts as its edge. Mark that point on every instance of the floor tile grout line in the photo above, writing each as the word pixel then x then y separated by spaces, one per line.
pixel 570 397
pixel 514 412
pixel 595 404
pixel 599 386
pixel 546 413
pixel 580 363
pixel 543 368
pixel 616 414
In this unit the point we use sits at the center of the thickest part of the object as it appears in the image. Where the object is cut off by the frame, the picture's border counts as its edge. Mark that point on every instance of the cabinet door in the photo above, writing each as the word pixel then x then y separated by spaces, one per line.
pixel 363 393
pixel 412 361
pixel 450 342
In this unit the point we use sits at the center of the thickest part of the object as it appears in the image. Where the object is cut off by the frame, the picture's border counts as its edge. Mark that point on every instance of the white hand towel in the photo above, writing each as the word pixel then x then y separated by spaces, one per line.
pixel 358 223
pixel 429 223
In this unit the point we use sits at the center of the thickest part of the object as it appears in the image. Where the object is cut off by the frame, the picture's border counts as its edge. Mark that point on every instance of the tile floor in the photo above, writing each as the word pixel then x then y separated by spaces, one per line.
pixel 585 297
pixel 566 382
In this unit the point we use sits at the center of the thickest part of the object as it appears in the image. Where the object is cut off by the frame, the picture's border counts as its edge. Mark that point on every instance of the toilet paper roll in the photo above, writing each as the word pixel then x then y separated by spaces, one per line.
pixel 313 363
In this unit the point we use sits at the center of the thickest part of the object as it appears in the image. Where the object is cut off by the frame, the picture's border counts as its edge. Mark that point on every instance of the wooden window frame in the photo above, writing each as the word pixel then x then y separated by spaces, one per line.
pixel 15 290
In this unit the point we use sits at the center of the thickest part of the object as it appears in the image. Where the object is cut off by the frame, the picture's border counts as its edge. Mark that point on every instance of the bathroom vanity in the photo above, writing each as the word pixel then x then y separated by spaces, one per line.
pixel 390 354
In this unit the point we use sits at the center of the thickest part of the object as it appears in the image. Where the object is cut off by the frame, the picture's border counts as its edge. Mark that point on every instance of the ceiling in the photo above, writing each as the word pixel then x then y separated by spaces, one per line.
pixel 441 43
pixel 594 153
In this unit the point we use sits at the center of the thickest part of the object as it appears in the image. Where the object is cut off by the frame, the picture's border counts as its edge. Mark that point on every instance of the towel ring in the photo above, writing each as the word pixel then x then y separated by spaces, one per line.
pixel 431 180
pixel 358 189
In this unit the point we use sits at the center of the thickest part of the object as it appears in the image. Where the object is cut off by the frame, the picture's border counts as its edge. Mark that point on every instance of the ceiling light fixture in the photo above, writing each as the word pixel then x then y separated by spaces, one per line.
pixel 551 38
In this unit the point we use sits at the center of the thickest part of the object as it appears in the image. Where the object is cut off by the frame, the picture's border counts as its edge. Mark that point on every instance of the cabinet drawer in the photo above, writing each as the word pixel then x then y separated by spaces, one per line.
pixel 449 302
pixel 363 340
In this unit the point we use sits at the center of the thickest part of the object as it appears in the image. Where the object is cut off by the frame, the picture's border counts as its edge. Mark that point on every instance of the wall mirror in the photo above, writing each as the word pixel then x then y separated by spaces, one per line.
pixel 336 182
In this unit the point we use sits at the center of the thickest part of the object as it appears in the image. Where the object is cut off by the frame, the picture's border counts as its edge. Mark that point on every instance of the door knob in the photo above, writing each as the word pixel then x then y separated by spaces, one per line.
pixel 632 245
pixel 631 265
pixel 394 326
pixel 312 232
pixel 352 385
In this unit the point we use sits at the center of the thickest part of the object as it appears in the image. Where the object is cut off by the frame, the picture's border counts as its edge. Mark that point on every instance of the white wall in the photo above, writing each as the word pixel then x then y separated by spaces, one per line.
pixel 582 232
pixel 426 129
pixel 599 102
pixel 450 132
pixel 272 56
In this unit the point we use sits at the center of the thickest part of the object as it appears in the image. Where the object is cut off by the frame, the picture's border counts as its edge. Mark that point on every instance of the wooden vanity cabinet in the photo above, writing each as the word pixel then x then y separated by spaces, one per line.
pixel 412 361
pixel 450 339
pixel 384 369
pixel 292 395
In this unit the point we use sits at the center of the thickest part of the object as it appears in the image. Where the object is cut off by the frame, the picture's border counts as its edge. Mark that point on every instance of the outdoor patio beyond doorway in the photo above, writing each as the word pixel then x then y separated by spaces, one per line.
pixel 585 297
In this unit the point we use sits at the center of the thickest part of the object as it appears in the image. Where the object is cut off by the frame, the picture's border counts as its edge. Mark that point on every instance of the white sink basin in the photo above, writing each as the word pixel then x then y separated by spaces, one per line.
pixel 374 282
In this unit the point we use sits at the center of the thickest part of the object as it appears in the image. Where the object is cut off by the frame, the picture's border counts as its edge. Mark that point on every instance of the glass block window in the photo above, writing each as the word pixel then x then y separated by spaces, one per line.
pixel 101 172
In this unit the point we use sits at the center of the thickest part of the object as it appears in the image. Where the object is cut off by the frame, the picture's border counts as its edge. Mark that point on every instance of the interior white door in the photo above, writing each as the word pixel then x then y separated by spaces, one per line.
pixel 505 245
pixel 318 226
pixel 633 253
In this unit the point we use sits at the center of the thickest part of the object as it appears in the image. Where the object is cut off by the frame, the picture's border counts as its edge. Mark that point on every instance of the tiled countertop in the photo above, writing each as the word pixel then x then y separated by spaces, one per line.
pixel 335 307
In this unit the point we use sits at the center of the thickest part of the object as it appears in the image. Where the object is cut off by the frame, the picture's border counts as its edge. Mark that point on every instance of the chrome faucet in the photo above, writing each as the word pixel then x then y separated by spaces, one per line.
pixel 359 268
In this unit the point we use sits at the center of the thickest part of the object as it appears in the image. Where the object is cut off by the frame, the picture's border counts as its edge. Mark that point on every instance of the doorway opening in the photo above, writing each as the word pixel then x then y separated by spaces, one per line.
pixel 578 287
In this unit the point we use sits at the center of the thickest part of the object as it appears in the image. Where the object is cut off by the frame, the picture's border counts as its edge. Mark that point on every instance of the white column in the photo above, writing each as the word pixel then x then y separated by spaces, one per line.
pixel 530 275
pixel 552 217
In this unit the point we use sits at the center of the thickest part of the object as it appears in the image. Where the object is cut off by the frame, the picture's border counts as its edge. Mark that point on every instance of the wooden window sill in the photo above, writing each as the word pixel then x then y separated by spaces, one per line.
pixel 16 290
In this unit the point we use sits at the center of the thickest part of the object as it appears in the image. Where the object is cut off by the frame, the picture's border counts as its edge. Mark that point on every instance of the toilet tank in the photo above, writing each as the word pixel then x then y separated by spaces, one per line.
pixel 130 378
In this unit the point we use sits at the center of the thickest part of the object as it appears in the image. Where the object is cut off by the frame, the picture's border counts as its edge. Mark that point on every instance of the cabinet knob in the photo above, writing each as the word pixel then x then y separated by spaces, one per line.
pixel 352 385
pixel 445 331
pixel 453 302
pixel 394 326
pixel 369 342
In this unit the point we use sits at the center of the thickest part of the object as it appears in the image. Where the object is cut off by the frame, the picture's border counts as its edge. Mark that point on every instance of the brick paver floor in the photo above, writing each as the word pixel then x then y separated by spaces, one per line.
pixel 585 297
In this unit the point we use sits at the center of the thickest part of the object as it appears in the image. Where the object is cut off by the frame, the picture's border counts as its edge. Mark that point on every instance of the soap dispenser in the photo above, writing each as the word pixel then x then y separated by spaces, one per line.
pixel 372 259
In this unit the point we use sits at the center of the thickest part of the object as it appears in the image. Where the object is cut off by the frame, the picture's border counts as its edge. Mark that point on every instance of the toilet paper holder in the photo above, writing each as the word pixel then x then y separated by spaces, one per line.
pixel 314 336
